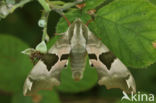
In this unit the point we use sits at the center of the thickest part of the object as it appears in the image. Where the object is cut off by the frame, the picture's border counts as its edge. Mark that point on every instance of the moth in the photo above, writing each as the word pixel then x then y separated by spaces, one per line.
pixel 76 44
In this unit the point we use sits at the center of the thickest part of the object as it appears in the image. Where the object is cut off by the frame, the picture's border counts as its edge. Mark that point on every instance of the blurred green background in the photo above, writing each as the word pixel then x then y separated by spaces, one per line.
pixel 19 31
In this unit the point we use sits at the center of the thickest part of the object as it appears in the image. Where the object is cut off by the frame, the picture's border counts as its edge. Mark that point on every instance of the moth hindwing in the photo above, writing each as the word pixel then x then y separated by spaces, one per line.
pixel 77 43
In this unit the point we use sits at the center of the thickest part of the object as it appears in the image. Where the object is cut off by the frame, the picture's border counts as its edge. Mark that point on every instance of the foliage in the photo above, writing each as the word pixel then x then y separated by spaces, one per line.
pixel 12 76
pixel 127 27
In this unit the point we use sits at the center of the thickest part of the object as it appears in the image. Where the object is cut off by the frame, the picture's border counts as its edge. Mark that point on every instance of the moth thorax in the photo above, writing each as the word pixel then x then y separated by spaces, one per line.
pixel 78 50
pixel 78 38
pixel 78 43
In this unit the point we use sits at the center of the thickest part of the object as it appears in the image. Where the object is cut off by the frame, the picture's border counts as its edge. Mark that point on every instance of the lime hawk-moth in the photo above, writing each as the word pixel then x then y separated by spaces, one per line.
pixel 74 46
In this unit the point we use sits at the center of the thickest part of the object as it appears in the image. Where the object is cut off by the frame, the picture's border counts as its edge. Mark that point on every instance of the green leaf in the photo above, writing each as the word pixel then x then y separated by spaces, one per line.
pixel 147 75
pixel 49 97
pixel 19 98
pixel 42 97
pixel 14 66
pixel 128 28
pixel 153 1
pixel 92 4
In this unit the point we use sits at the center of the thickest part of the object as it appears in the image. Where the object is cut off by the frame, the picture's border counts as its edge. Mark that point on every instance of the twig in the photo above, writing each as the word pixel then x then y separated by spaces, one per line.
pixel 45 36
pixel 60 10
pixel 20 4
pixel 44 18
pixel 6 9
pixel 45 5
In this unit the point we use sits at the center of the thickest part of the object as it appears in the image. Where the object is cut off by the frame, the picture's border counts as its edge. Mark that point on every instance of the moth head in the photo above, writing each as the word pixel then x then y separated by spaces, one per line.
pixel 78 20
pixel 78 28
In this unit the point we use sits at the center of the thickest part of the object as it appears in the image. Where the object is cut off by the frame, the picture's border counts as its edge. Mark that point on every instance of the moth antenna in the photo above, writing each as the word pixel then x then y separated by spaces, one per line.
pixel 68 22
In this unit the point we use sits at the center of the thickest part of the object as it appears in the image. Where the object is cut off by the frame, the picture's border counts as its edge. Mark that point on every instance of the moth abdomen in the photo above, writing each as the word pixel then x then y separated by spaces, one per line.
pixel 78 62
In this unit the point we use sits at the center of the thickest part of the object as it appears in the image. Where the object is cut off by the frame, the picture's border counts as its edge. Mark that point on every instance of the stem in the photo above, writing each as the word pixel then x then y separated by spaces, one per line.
pixel 45 5
pixel 5 9
pixel 20 4
pixel 66 6
pixel 71 5
pixel 44 17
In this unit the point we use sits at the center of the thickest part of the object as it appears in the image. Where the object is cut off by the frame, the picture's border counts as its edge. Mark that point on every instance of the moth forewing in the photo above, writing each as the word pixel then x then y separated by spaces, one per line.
pixel 123 73
pixel 39 78
pixel 118 77
pixel 112 72
pixel 46 73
